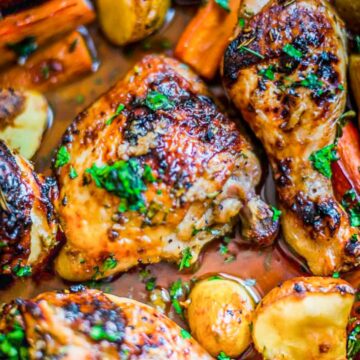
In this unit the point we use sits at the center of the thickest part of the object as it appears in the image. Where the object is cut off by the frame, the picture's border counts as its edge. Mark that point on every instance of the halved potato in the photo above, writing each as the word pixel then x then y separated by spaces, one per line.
pixel 127 21
pixel 304 318
pixel 23 119
pixel 220 314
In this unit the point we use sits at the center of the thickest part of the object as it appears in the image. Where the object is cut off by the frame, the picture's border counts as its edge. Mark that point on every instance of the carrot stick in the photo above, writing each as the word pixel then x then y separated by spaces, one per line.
pixel 52 66
pixel 34 27
pixel 346 171
pixel 204 40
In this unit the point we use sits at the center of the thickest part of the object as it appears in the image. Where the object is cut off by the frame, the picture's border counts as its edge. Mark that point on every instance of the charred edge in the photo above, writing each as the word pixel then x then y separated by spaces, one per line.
pixel 11 105
pixel 322 217
pixel 282 173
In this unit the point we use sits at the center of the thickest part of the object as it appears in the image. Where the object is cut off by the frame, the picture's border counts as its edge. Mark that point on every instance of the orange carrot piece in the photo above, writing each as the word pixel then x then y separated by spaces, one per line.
pixel 52 66
pixel 204 40
pixel 41 23
pixel 346 174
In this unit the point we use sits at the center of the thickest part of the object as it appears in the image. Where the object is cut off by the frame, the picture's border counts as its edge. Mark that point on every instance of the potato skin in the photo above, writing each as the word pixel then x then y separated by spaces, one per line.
pixel 128 21
pixel 349 10
pixel 304 318
pixel 219 316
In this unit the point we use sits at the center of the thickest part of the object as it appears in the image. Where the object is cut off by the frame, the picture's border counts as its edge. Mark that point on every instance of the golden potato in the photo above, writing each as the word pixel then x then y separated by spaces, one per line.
pixel 220 314
pixel 127 21
pixel 304 318
pixel 23 119
pixel 349 10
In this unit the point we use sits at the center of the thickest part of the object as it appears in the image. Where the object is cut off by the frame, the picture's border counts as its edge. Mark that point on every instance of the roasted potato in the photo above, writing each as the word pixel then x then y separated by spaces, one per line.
pixel 220 314
pixel 127 21
pixel 304 318
pixel 349 10
pixel 23 119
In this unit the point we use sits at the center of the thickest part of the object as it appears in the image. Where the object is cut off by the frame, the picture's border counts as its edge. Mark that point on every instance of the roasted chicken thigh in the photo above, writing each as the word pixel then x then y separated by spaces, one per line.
pixel 153 171
pixel 28 228
pixel 286 72
pixel 90 325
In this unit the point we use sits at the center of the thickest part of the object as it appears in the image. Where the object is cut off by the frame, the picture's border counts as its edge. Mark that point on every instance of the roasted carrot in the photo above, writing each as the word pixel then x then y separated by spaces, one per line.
pixel 52 66
pixel 23 32
pixel 346 171
pixel 204 40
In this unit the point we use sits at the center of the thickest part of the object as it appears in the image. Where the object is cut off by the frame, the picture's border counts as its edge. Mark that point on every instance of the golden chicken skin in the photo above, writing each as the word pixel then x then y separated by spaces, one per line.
pixel 153 171
pixel 90 325
pixel 286 72
pixel 28 228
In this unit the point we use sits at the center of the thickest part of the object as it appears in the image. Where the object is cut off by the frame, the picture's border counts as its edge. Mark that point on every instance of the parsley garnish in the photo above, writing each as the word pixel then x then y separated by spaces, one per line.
pixel 13 344
pixel 186 259
pixel 150 284
pixel 312 82
pixel 353 345
pixel 22 271
pixel 125 179
pixel 242 22
pixel 110 263
pixel 336 275
pixel 98 333
pixel 276 213
pixel 292 51
pixel 23 48
pixel 224 4
pixel 184 334
pixel 62 157
pixel 223 249
pixel 156 101
pixel 177 290
pixel 355 216
pixel 119 109
pixel 223 356
pixel 73 174
pixel 321 160
pixel 268 73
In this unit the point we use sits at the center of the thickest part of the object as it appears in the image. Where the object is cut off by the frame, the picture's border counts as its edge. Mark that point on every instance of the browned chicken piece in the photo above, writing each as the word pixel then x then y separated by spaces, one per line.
pixel 28 229
pixel 90 325
pixel 286 72
pixel 153 171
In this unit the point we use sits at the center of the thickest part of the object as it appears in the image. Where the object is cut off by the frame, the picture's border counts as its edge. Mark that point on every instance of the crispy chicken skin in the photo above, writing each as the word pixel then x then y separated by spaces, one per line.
pixel 290 84
pixel 28 229
pixel 90 325
pixel 193 170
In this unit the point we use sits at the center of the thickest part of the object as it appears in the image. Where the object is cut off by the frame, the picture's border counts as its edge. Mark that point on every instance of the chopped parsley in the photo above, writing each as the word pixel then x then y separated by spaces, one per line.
pixel 23 48
pixel 118 111
pixel 13 344
pixel 354 238
pixel 110 263
pixel 223 356
pixel 242 22
pixel 223 249
pixel 125 179
pixel 276 213
pixel 336 275
pixel 80 98
pixel 22 271
pixel 353 344
pixel 156 101
pixel 312 82
pixel 177 290
pixel 230 259
pixel 321 160
pixel 98 333
pixel 73 174
pixel 62 157
pixel 268 73
pixel 355 216
pixel 224 4
pixel 292 51
pixel 150 284
pixel 185 334
pixel 148 175
pixel 186 259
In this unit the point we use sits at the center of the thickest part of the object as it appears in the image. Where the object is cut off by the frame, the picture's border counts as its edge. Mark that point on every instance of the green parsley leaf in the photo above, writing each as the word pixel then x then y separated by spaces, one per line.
pixel 150 284
pixel 177 307
pixel 223 356
pixel 223 249
pixel 22 271
pixel 268 73
pixel 176 289
pixel 292 51
pixel 156 101
pixel 184 334
pixel 242 22
pixel 13 344
pixel 355 216
pixel 321 160
pixel 62 157
pixel 98 333
pixel 276 213
pixel 214 277
pixel 118 111
pixel 336 275
pixel 148 175
pixel 23 48
pixel 224 4
pixel 186 259
pixel 110 263
pixel 353 344
pixel 312 82
pixel 80 98
pixel 73 174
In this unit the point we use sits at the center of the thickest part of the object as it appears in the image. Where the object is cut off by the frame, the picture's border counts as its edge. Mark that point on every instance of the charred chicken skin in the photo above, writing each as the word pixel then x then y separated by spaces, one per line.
pixel 28 228
pixel 286 72
pixel 153 171
pixel 90 325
